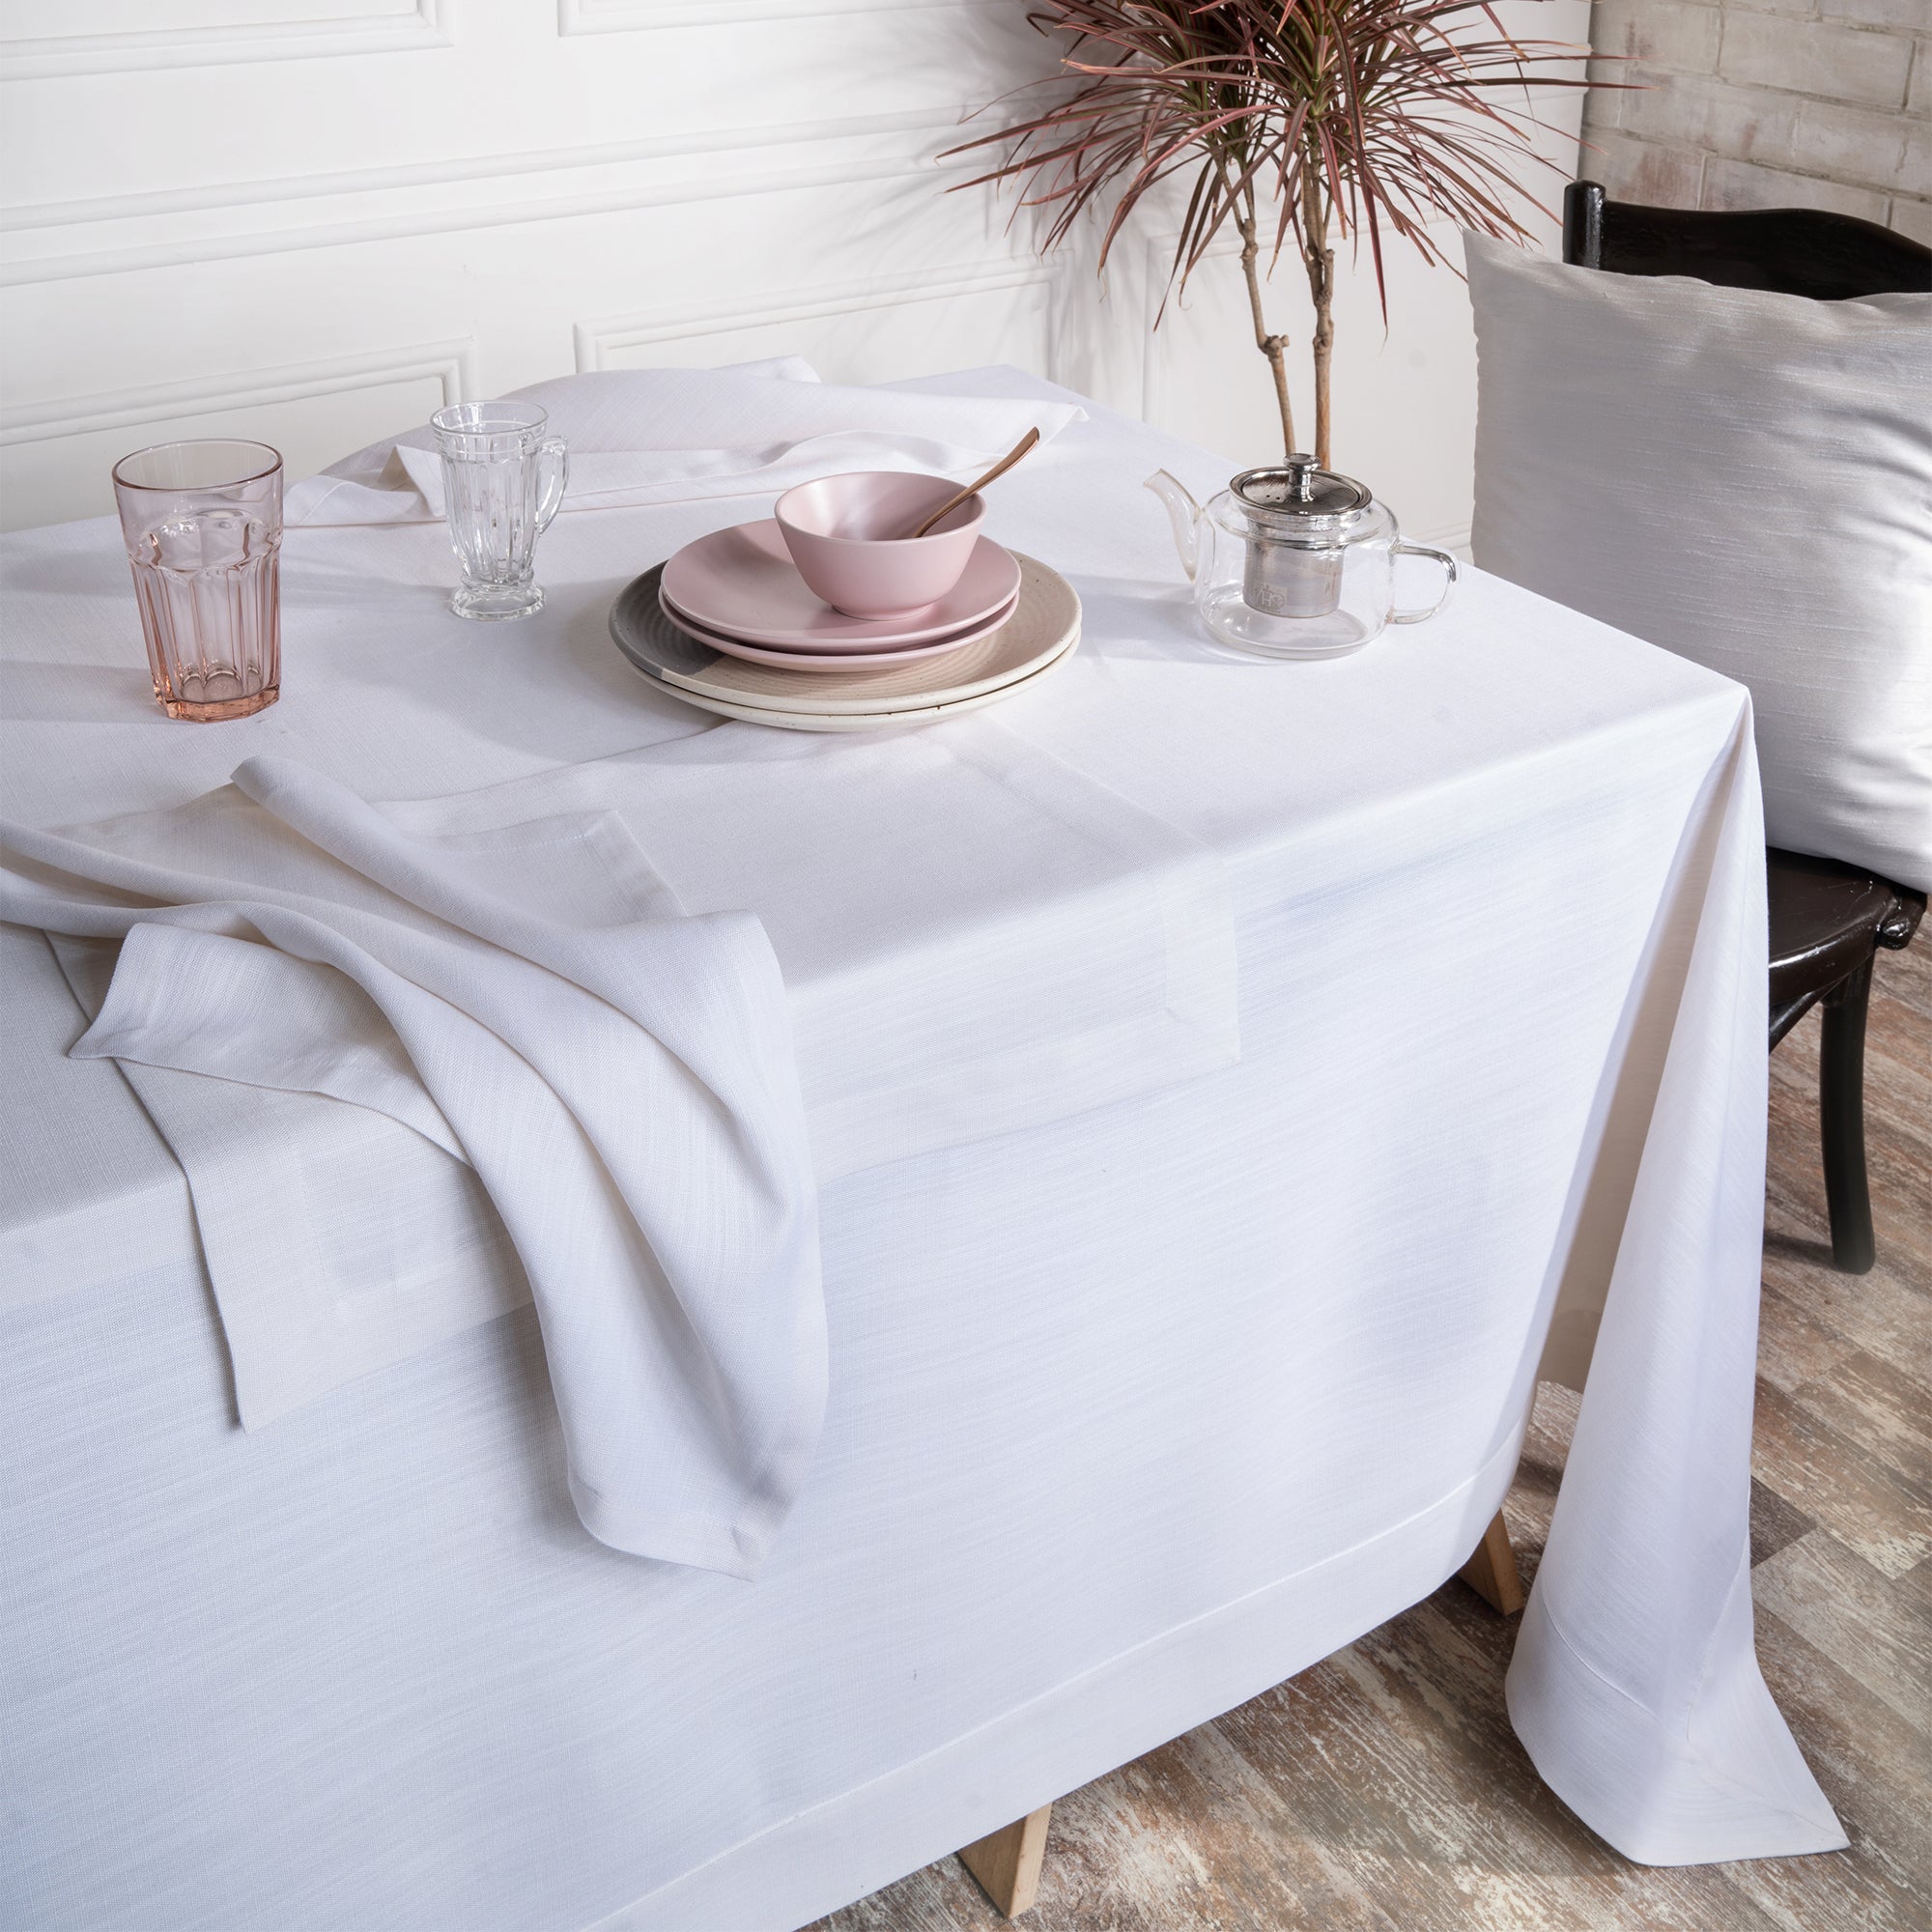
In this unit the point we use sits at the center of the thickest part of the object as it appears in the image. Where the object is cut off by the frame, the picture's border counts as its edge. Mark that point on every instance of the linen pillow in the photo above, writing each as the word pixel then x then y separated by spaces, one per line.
pixel 1745 479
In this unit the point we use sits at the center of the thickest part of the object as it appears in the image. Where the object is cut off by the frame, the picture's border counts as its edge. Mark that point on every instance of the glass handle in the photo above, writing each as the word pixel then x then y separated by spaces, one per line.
pixel 552 456
pixel 1450 574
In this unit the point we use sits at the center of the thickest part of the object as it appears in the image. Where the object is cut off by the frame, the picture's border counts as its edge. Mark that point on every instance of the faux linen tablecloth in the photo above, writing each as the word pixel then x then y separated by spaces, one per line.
pixel 1131 1412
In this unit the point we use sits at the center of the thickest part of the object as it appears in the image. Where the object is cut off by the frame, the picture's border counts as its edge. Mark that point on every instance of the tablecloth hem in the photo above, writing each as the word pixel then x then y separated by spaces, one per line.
pixel 1100 1067
pixel 1697 1811
pixel 1067 1741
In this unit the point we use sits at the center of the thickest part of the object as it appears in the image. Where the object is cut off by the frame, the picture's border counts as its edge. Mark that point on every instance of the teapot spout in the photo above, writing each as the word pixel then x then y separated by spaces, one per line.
pixel 1183 513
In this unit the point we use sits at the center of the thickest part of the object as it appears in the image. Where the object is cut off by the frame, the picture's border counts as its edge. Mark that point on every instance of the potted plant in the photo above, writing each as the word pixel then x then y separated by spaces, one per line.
pixel 1303 121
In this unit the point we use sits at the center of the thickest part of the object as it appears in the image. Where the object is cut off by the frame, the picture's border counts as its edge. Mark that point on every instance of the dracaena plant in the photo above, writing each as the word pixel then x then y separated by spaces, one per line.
pixel 1299 124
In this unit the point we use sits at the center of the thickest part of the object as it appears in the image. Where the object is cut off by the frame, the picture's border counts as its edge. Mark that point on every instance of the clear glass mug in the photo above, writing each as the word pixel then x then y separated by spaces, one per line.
pixel 203 525
pixel 502 481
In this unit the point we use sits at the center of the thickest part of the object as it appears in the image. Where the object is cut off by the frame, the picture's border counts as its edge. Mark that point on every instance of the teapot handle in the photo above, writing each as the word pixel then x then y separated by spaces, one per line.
pixel 1450 574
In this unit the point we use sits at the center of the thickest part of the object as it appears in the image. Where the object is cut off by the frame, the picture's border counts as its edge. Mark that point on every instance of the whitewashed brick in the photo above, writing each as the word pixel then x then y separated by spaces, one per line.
pixel 1746 184
pixel 1609 84
pixel 1851 144
pixel 1912 218
pixel 1748 124
pixel 1915 170
pixel 1667 32
pixel 1813 103
pixel 1906 17
pixel 1835 62
pixel 1638 171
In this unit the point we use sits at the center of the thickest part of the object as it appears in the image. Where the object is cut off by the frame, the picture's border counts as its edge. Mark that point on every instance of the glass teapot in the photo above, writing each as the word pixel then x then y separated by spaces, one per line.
pixel 1294 561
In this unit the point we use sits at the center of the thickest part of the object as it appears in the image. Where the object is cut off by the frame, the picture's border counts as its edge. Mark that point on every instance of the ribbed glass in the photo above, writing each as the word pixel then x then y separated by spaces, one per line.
pixel 203 525
pixel 502 481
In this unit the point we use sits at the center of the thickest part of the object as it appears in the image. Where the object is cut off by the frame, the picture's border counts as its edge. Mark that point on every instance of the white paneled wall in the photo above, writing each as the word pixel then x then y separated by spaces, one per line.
pixel 314 222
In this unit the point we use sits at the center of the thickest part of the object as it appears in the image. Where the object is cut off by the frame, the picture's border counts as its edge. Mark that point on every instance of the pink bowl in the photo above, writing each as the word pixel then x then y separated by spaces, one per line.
pixel 848 536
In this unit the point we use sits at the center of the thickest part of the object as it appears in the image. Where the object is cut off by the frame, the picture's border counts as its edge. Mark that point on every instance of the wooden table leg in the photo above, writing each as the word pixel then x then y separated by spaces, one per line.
pixel 1491 1573
pixel 1007 1861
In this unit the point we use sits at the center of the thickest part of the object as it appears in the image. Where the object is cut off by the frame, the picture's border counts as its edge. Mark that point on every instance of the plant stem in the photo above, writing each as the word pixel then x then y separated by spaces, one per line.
pixel 1319 261
pixel 1270 346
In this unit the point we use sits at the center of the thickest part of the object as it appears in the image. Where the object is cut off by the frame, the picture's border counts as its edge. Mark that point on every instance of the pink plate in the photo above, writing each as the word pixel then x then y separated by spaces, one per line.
pixel 836 661
pixel 742 583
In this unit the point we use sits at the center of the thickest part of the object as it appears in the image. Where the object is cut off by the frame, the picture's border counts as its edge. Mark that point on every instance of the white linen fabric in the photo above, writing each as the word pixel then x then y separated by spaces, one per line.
pixel 661 435
pixel 1047 948
pixel 1131 1412
pixel 622 1081
pixel 1745 478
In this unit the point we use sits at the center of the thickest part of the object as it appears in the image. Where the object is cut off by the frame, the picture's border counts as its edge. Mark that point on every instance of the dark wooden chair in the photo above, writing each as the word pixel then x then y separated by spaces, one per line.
pixel 1828 920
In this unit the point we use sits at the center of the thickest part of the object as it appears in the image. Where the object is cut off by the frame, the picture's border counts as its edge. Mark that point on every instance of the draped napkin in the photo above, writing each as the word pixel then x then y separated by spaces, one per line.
pixel 515 978
pixel 666 435
pixel 619 1075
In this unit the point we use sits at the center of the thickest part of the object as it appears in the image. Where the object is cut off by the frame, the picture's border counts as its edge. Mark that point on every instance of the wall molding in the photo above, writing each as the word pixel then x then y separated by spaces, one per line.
pixel 598 336
pixel 452 364
pixel 630 16
pixel 147 204
pixel 485 192
pixel 426 25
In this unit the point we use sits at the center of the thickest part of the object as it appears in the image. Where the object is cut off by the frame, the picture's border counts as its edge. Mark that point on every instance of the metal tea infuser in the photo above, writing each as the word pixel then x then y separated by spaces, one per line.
pixel 1292 561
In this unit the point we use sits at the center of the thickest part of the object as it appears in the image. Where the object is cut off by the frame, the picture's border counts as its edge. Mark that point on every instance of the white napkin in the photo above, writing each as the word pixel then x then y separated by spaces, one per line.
pixel 338 1241
pixel 621 1078
pixel 666 436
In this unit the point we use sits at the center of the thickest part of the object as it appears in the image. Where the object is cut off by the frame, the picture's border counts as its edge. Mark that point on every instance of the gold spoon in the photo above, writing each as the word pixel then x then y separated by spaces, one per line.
pixel 1000 468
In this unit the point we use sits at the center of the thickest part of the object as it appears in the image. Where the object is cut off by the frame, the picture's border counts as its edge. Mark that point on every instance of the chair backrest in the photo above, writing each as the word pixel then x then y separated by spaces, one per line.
pixel 1793 251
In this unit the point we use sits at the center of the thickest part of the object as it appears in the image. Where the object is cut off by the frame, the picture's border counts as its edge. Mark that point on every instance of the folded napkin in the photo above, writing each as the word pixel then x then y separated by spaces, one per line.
pixel 667 436
pixel 620 1076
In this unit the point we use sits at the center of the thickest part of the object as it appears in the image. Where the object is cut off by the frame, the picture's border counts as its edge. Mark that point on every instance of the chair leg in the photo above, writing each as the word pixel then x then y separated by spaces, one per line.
pixel 1491 1573
pixel 1841 1117
pixel 1007 1863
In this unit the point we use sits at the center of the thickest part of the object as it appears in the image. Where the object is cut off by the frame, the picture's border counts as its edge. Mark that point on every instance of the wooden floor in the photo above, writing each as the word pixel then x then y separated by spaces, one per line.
pixel 1384 1789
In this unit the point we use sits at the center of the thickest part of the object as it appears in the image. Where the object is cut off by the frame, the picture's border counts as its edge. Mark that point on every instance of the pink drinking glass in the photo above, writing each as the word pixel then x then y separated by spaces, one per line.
pixel 203 523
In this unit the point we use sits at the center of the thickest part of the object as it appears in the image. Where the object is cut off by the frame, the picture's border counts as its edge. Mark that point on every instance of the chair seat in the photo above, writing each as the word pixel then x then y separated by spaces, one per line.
pixel 1826 918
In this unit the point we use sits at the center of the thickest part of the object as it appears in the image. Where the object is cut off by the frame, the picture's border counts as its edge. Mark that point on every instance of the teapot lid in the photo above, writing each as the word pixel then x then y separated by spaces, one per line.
pixel 1296 488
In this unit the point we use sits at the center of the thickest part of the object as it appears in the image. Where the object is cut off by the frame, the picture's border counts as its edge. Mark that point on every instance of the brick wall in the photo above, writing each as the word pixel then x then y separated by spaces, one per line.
pixel 1766 103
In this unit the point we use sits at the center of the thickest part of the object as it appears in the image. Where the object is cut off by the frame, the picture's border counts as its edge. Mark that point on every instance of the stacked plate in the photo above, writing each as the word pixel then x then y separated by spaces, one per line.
pixel 728 625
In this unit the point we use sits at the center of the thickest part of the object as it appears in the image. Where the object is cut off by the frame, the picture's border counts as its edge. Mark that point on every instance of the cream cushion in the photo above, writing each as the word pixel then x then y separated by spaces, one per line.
pixel 1745 479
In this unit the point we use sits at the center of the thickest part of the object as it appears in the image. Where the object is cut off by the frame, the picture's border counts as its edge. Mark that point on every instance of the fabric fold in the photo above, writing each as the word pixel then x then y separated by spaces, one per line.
pixel 1685 1758
pixel 624 1087
pixel 232 1009
pixel 669 435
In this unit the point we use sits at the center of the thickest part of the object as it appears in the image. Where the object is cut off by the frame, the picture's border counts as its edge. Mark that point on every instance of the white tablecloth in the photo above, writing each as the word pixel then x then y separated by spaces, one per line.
pixel 1132 1412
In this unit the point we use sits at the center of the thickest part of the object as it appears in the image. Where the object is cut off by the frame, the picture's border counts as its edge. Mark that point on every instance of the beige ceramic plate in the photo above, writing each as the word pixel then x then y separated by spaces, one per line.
pixel 1046 622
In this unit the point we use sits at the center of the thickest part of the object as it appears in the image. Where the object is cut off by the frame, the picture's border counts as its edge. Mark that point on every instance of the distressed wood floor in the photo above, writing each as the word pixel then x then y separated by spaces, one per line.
pixel 1382 1791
